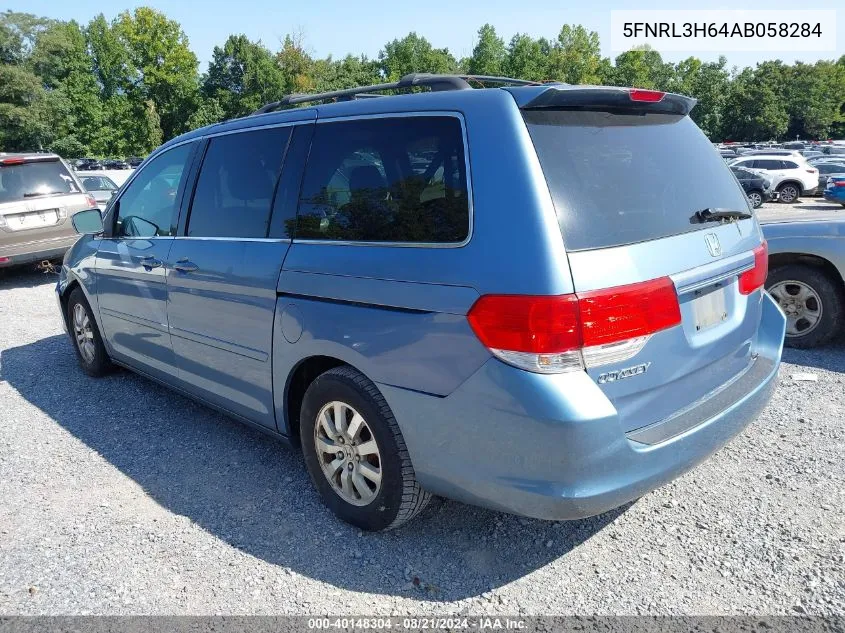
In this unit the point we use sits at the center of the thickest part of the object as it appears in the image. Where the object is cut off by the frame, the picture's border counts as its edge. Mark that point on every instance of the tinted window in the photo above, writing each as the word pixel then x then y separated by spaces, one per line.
pixel 830 168
pixel 148 205
pixel 98 183
pixel 664 164
pixel 235 188
pixel 30 180
pixel 386 180
pixel 768 164
pixel 786 164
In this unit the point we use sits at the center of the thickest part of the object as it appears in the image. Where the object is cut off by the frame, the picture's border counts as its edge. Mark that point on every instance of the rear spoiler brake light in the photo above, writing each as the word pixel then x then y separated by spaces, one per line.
pixel 599 97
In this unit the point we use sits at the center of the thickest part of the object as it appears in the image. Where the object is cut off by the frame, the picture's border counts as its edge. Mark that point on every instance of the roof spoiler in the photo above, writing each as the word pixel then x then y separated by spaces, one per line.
pixel 601 97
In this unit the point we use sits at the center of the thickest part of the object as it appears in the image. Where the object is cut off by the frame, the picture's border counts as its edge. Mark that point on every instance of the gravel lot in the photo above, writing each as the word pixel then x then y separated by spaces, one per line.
pixel 117 497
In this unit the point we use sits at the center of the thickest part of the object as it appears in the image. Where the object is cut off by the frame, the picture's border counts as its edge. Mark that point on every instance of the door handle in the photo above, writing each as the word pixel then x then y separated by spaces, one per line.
pixel 149 262
pixel 185 266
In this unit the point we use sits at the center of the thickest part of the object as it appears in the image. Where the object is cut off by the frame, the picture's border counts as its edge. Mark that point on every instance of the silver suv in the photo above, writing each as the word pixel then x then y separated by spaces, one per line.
pixel 38 195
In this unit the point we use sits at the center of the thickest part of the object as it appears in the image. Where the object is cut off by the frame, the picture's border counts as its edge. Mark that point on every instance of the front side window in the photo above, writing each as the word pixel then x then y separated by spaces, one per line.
pixel 98 183
pixel 397 179
pixel 148 207
pixel 235 187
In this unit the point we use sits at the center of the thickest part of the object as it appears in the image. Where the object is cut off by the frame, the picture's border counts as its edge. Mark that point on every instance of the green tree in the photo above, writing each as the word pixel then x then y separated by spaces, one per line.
pixel 110 58
pixel 709 83
pixel 642 67
pixel 242 77
pixel 297 65
pixel 815 95
pixel 489 55
pixel 528 58
pixel 18 32
pixel 576 56
pixel 414 54
pixel 22 121
pixel 755 108
pixel 164 67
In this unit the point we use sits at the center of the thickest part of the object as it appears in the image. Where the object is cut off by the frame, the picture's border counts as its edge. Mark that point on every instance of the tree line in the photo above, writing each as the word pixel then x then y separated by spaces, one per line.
pixel 121 87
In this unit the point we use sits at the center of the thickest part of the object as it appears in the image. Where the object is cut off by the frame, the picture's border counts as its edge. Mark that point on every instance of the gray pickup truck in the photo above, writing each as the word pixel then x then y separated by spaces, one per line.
pixel 807 272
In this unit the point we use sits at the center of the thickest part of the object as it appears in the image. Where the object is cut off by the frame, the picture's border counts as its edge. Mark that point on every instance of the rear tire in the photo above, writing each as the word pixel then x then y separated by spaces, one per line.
pixel 789 193
pixel 804 292
pixel 355 453
pixel 85 336
pixel 755 197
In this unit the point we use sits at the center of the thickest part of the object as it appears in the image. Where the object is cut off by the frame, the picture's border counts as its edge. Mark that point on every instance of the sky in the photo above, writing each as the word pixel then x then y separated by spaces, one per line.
pixel 338 27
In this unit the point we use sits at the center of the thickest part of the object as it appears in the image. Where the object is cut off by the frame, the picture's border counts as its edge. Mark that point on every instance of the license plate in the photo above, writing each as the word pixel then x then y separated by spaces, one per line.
pixel 710 309
pixel 32 220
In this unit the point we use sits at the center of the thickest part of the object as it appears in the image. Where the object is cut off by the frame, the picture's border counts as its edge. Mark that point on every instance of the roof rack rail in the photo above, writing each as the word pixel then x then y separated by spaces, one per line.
pixel 435 82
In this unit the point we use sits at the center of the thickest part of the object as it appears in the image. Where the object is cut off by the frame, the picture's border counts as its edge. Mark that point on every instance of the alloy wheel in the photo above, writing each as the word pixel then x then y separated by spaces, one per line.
pixel 83 333
pixel 348 453
pixel 800 303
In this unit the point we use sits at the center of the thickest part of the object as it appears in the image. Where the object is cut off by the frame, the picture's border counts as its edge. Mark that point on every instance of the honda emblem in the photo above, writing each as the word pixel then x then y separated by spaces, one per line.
pixel 713 244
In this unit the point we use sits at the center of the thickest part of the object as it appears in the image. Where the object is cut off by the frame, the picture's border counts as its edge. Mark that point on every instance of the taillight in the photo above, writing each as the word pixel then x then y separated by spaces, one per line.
pixel 552 334
pixel 648 96
pixel 838 183
pixel 812 171
pixel 91 202
pixel 751 280
pixel 12 161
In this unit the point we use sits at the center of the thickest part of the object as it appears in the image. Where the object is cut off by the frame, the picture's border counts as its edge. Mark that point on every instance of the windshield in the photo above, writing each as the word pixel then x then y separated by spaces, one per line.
pixel 620 178
pixel 30 180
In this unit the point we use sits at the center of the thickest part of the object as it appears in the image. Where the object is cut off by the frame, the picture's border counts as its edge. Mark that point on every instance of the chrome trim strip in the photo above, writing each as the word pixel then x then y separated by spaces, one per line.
pixel 232 239
pixel 470 206
pixel 709 274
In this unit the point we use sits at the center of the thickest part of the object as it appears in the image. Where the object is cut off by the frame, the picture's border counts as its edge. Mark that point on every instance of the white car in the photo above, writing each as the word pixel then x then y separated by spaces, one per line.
pixel 791 176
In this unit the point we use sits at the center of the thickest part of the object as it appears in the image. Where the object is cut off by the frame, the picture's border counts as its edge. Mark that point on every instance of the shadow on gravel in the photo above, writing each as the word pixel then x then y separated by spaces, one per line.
pixel 250 491
pixel 830 357
pixel 24 277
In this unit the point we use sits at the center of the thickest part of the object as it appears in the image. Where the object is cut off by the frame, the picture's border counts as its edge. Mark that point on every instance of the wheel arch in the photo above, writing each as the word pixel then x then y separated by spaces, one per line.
pixel 297 383
pixel 779 260
pixel 792 181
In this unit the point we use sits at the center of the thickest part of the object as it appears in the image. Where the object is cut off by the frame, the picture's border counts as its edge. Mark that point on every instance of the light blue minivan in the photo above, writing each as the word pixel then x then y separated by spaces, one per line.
pixel 538 298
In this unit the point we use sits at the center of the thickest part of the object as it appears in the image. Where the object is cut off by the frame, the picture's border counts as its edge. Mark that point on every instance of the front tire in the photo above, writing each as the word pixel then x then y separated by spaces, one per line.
pixel 87 342
pixel 355 453
pixel 789 193
pixel 812 301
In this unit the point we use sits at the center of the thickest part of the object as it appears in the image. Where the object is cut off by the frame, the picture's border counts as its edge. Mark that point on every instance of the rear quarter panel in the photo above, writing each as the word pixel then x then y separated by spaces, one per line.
pixel 823 239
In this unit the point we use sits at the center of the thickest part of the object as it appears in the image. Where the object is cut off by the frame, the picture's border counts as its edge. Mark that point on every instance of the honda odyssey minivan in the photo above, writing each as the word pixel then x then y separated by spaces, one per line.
pixel 542 299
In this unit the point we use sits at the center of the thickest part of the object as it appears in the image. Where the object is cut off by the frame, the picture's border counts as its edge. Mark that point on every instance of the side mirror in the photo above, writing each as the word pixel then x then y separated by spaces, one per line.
pixel 89 222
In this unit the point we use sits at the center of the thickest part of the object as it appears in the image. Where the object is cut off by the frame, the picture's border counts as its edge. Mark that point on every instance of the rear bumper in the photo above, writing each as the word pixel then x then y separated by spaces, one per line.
pixel 552 447
pixel 834 195
pixel 36 250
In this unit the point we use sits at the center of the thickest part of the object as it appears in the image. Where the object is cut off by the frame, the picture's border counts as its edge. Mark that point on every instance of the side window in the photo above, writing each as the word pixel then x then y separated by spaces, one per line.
pixel 235 187
pixel 397 179
pixel 786 164
pixel 148 206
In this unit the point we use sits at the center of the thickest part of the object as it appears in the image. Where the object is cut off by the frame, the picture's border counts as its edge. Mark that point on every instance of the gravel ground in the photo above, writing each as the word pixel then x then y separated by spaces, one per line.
pixel 119 497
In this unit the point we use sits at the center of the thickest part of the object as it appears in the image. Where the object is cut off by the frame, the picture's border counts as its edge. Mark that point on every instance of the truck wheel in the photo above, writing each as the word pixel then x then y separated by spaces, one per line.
pixel 812 302
pixel 355 453
pixel 86 338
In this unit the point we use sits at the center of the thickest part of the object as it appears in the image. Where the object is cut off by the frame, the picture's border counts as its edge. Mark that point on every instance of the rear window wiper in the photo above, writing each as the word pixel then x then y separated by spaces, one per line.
pixel 718 215
pixel 35 194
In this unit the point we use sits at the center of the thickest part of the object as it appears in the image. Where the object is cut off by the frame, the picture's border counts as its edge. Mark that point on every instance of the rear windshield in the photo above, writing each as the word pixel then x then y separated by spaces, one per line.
pixel 623 178
pixel 31 180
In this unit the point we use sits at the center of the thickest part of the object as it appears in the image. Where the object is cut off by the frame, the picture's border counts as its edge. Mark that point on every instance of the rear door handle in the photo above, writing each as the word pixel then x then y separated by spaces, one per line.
pixel 149 262
pixel 185 266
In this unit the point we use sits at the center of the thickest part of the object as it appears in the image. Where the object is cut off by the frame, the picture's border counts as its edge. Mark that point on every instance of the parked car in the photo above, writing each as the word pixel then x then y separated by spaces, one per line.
pixel 439 292
pixel 101 187
pixel 113 163
pixel 834 190
pixel 793 153
pixel 134 161
pixel 791 177
pixel 757 187
pixel 826 170
pixel 834 150
pixel 38 195
pixel 87 164
pixel 806 272
pixel 808 154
